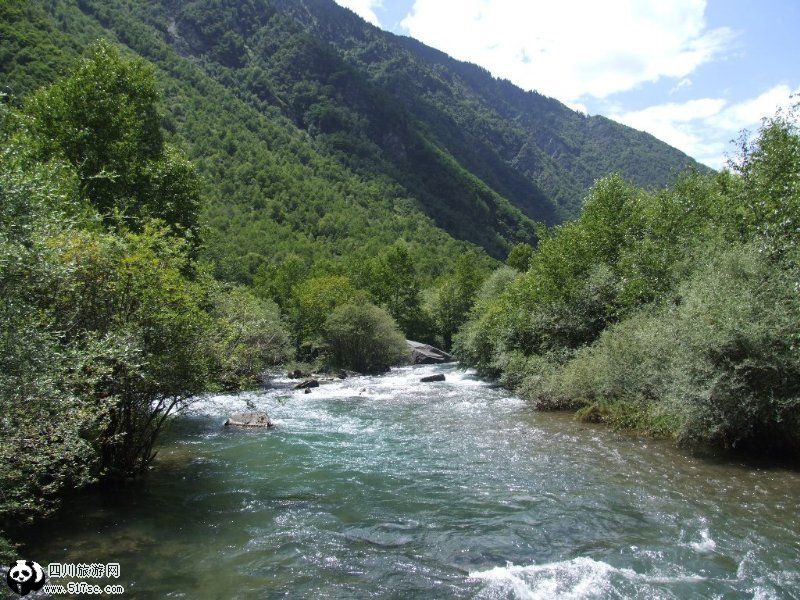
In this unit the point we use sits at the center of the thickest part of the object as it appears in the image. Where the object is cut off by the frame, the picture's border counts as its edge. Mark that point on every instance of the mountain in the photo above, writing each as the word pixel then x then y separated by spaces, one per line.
pixel 321 136
pixel 560 151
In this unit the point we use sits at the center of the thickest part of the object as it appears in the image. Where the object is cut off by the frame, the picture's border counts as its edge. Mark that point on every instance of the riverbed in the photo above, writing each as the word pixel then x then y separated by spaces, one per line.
pixel 385 487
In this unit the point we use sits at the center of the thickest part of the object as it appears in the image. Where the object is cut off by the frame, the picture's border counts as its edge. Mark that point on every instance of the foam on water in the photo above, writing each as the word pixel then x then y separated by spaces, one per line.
pixel 384 486
pixel 706 543
pixel 576 579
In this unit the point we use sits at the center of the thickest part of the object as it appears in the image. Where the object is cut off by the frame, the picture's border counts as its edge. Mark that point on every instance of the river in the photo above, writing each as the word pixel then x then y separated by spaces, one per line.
pixel 384 487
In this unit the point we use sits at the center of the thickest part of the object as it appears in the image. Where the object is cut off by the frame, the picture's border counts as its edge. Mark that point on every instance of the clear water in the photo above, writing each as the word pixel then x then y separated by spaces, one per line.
pixel 386 487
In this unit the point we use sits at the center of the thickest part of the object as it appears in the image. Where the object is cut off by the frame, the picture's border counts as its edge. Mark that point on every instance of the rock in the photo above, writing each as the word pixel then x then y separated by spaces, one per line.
pixel 424 354
pixel 430 378
pixel 296 374
pixel 310 383
pixel 249 419
pixel 307 391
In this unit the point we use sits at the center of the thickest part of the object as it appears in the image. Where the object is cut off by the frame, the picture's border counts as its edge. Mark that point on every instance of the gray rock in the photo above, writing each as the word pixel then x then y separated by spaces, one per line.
pixel 425 354
pixel 249 419
pixel 429 378
pixel 311 383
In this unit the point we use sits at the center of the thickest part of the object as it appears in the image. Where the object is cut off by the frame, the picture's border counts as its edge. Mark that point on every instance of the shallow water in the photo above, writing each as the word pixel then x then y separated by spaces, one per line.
pixel 386 487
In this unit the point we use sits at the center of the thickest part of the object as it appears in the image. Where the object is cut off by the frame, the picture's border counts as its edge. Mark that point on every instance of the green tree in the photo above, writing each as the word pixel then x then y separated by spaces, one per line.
pixel 394 285
pixel 520 257
pixel 276 282
pixel 365 338
pixel 455 295
pixel 313 301
pixel 248 335
pixel 769 197
pixel 103 119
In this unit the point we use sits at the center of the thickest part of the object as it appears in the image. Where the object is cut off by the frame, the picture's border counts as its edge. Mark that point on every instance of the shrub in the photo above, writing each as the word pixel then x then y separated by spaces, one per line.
pixel 735 371
pixel 313 300
pixel 478 341
pixel 716 367
pixel 249 336
pixel 364 338
pixel 452 301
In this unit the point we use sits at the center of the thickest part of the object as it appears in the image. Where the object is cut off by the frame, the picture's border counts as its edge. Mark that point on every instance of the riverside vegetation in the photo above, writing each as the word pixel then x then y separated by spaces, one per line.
pixel 673 312
pixel 110 322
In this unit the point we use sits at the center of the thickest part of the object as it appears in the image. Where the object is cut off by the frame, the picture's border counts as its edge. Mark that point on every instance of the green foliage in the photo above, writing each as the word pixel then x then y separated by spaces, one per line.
pixel 249 336
pixel 474 343
pixel 673 313
pixel 455 295
pixel 736 368
pixel 364 338
pixel 277 282
pixel 103 120
pixel 394 285
pixel 314 300
pixel 42 420
pixel 520 257
pixel 769 168
pixel 104 334
pixel 320 138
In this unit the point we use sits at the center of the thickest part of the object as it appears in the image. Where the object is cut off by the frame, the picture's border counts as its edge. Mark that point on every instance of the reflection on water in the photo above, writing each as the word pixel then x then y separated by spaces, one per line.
pixel 386 487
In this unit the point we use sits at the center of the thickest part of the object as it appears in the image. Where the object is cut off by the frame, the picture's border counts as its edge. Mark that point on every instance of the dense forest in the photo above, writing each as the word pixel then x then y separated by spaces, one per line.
pixel 324 138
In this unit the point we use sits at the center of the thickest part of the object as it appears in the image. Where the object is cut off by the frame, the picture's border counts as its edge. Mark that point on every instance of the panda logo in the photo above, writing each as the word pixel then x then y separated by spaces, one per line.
pixel 25 576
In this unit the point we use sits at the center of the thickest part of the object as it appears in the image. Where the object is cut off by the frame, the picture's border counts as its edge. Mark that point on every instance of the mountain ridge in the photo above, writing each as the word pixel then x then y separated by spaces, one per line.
pixel 323 137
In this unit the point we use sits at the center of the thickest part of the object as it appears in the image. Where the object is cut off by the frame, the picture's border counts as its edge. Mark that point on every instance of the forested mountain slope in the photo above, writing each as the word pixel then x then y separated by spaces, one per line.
pixel 555 148
pixel 323 137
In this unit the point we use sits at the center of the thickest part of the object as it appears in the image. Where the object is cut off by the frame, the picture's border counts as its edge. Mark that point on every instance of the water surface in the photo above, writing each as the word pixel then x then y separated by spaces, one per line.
pixel 384 487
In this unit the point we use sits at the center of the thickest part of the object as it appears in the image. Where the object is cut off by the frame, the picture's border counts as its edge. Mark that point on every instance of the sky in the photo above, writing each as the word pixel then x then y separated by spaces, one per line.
pixel 694 73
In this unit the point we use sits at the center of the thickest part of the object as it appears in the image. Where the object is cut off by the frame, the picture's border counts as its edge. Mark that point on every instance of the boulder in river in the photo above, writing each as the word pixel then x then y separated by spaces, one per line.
pixel 310 383
pixel 249 419
pixel 429 378
pixel 425 354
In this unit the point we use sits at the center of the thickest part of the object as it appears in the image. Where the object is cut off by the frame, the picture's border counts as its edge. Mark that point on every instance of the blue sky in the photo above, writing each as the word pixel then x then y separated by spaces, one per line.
pixel 692 72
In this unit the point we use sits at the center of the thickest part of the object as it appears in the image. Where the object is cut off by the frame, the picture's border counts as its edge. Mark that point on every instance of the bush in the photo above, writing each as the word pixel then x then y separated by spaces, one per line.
pixel 453 299
pixel 312 302
pixel 717 367
pixel 249 336
pixel 364 338
pixel 477 342
pixel 735 371
pixel 673 312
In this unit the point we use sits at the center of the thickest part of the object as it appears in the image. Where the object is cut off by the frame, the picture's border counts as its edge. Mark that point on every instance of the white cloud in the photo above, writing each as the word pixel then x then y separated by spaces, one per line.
pixel 703 128
pixel 363 8
pixel 572 49
pixel 683 83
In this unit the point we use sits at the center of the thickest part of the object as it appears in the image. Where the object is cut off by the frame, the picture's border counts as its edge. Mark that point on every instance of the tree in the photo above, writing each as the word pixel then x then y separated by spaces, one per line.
pixel 394 285
pixel 102 118
pixel 520 257
pixel 276 282
pixel 313 301
pixel 365 338
pixel 455 296
pixel 249 336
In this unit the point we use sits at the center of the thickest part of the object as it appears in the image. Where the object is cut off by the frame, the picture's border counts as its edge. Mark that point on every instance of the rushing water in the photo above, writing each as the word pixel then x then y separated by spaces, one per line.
pixel 387 487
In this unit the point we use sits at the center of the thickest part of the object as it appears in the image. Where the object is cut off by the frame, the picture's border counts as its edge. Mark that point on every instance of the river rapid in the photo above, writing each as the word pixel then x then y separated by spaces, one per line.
pixel 384 487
